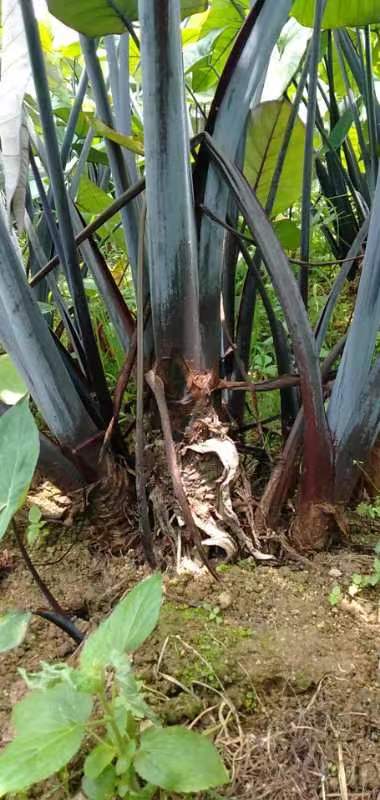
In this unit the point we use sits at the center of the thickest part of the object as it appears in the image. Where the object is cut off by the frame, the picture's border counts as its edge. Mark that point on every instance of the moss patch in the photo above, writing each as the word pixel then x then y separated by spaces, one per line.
pixel 201 656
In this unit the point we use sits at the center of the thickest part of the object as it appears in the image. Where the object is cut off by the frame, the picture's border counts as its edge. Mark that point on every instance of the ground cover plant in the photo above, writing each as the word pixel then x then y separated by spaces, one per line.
pixel 53 720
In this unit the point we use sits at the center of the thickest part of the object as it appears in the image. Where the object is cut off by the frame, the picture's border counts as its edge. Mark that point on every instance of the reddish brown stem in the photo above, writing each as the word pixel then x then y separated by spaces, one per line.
pixel 284 474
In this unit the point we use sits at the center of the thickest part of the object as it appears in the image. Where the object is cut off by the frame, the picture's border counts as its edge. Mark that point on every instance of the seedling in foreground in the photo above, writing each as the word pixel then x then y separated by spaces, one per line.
pixel 100 705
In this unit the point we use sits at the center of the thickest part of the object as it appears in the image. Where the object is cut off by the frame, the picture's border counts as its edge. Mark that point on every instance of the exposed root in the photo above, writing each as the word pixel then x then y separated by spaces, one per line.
pixel 157 386
pixel 217 491
pixel 110 503
pixel 314 526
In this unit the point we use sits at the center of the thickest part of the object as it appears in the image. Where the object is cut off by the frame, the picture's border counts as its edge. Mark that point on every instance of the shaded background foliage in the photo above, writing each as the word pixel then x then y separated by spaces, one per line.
pixel 260 158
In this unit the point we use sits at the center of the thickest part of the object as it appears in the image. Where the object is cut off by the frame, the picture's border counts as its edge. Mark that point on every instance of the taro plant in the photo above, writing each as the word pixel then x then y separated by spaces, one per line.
pixel 217 205
pixel 19 448
pixel 96 714
pixel 19 452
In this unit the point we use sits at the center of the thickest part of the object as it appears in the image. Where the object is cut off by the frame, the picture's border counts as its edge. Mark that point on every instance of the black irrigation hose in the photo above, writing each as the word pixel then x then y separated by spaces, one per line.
pixel 57 614
pixel 62 622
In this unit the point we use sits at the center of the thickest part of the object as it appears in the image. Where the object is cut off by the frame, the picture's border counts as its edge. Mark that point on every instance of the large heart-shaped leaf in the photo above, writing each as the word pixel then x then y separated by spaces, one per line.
pixel 339 13
pixel 265 135
pixel 12 386
pixel 179 760
pixel 288 233
pixel 131 622
pixel 285 59
pixel 98 17
pixel 50 726
pixel 13 627
pixel 92 200
pixel 218 31
pixel 19 450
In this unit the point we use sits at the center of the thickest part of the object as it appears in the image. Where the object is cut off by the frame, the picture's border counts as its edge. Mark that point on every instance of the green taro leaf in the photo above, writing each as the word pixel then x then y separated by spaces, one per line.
pixel 131 622
pixel 133 143
pixel 195 50
pixel 19 450
pixel 12 386
pixel 50 726
pixel 13 627
pixel 288 233
pixel 83 123
pixel 179 760
pixel 95 156
pixel 339 13
pixel 341 129
pixel 223 22
pixel 97 17
pixel 265 135
pixel 91 199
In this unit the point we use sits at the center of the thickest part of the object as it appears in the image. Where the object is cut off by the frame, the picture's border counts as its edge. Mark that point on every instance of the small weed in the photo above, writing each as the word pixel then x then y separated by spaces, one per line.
pixel 222 568
pixel 214 613
pixel 250 700
pixel 369 510
pixel 358 582
pixel 336 595
pixel 37 527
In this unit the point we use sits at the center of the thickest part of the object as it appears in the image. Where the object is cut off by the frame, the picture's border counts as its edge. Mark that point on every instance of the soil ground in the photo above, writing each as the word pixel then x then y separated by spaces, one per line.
pixel 288 685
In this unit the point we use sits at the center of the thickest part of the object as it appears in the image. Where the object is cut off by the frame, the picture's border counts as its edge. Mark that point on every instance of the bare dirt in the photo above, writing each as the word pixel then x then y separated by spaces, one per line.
pixel 288 685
